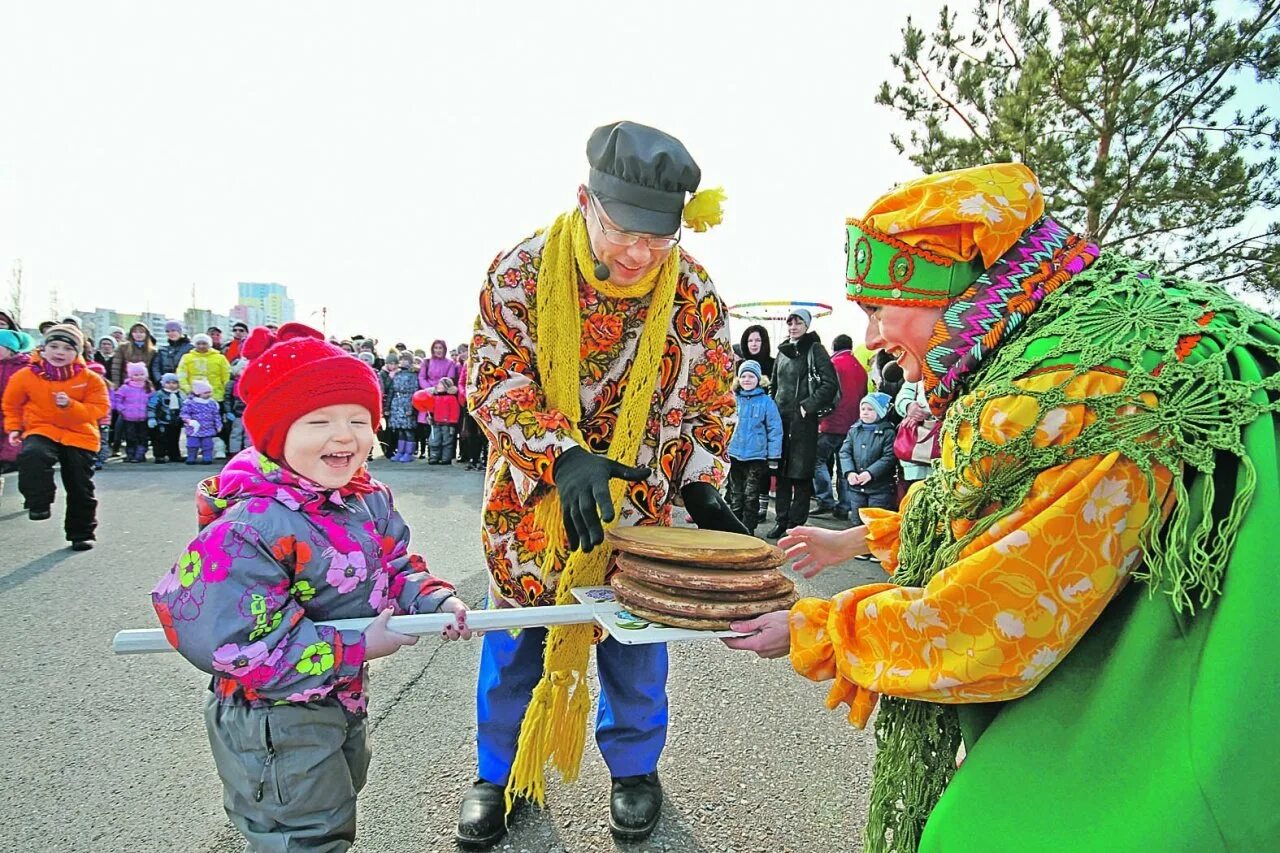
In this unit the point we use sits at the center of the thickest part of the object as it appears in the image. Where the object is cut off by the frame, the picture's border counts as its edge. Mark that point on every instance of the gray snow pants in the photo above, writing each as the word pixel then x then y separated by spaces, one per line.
pixel 290 773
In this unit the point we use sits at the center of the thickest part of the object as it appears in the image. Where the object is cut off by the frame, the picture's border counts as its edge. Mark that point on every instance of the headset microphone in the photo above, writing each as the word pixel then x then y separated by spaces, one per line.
pixel 602 269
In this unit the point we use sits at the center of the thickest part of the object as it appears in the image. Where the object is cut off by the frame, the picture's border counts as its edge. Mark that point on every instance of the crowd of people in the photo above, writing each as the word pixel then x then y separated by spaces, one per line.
pixel 1078 571
pixel 830 433
pixel 177 401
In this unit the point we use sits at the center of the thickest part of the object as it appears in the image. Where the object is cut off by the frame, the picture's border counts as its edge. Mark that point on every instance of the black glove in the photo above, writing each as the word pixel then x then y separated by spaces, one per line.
pixel 708 509
pixel 583 481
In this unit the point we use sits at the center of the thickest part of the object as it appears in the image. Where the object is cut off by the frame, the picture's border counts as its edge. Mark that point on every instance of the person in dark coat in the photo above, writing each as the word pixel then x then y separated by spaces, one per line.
pixel 167 357
pixel 805 388
pixel 867 459
pixel 754 346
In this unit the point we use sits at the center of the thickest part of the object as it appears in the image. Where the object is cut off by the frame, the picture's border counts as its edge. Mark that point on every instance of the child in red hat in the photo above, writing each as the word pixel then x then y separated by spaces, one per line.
pixel 294 531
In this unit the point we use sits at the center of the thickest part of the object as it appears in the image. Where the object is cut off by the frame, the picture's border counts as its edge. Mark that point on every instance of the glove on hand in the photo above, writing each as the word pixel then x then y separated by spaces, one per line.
pixel 708 509
pixel 582 479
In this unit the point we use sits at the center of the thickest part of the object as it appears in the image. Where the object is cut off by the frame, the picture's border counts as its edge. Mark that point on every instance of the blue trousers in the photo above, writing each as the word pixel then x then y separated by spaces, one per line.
pixel 631 722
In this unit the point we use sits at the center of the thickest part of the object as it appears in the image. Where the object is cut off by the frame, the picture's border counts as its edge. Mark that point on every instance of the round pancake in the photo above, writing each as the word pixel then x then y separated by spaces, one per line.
pixel 691 546
pixel 630 592
pixel 659 573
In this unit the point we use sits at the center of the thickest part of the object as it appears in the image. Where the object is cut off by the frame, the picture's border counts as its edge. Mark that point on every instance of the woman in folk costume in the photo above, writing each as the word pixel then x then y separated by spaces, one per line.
pixel 600 371
pixel 1078 591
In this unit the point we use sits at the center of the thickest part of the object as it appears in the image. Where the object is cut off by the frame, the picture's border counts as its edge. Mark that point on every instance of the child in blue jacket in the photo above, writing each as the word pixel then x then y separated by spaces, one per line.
pixel 756 446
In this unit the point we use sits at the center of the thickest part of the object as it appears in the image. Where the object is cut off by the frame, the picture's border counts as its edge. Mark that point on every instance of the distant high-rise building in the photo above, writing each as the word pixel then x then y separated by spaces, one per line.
pixel 250 315
pixel 271 298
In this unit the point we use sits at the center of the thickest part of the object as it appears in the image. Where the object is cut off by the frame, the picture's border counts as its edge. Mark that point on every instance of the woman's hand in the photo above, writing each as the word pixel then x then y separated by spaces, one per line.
pixel 770 634
pixel 458 630
pixel 380 641
pixel 915 413
pixel 816 548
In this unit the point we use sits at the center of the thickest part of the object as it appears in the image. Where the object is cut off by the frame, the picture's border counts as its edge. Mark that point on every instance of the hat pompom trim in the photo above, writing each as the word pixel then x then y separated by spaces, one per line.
pixel 704 210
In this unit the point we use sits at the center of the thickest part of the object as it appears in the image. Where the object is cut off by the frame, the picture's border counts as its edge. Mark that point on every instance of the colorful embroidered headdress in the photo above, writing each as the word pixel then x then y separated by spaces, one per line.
pixel 924 242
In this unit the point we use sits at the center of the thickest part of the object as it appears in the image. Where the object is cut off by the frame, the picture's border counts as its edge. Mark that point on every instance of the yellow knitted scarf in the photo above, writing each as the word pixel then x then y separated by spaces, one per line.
pixel 555 723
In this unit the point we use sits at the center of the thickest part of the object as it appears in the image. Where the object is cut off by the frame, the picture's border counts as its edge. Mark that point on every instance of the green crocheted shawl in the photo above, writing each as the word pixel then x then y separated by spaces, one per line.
pixel 1175 340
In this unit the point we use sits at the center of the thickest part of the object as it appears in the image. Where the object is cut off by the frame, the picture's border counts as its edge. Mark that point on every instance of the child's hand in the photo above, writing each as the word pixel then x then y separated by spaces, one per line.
pixel 852 478
pixel 61 400
pixel 380 641
pixel 193 426
pixel 458 630
pixel 15 438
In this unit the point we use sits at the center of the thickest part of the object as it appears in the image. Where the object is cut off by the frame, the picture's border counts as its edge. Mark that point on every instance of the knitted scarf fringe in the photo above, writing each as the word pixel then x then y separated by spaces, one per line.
pixel 555 724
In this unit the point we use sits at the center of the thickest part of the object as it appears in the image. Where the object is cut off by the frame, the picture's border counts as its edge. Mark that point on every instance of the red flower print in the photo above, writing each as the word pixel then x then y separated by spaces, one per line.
pixel 601 332
pixel 534 539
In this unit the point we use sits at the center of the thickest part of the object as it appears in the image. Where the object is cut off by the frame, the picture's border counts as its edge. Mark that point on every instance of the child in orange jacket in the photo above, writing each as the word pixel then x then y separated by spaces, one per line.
pixel 52 408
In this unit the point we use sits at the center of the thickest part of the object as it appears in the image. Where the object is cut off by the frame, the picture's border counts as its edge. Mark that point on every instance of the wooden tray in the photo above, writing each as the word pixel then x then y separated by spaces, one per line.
pixel 631 592
pixel 661 574
pixel 691 546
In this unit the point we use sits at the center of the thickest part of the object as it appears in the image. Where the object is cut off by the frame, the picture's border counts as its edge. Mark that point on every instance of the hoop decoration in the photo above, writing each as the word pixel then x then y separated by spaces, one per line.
pixel 776 310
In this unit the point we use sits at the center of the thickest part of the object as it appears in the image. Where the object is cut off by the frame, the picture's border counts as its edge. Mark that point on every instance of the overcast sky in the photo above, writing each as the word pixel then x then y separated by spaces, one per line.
pixel 374 157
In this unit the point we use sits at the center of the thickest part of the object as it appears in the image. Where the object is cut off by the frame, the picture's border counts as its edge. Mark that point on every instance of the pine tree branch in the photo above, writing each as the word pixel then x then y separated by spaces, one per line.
pixel 924 75
pixel 1218 254
pixel 1178 119
pixel 1017 60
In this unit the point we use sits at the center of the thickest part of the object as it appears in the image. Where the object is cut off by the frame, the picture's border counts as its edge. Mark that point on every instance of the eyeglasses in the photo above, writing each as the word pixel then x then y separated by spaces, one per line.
pixel 630 238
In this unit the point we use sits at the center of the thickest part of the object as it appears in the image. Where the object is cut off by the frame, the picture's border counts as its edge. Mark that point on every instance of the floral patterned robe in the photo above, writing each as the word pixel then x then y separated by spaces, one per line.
pixel 686 439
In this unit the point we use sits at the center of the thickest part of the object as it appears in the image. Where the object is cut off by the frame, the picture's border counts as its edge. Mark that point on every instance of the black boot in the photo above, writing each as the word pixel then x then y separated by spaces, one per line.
pixel 777 532
pixel 482 819
pixel 634 806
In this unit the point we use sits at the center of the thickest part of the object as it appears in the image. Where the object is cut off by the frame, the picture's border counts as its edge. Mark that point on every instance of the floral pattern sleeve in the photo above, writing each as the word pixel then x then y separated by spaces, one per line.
pixel 709 405
pixel 503 390
pixel 230 608
pixel 993 624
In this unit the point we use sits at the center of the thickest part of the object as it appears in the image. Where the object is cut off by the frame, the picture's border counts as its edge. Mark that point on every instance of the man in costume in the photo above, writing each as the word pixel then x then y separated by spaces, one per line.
pixel 600 371
pixel 1079 591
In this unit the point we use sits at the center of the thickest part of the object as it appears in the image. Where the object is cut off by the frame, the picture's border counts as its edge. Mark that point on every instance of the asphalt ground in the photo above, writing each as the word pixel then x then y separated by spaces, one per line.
pixel 107 753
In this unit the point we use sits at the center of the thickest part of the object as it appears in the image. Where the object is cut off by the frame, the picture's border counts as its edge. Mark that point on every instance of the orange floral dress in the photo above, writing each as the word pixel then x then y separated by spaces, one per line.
pixel 993 624
pixel 686 437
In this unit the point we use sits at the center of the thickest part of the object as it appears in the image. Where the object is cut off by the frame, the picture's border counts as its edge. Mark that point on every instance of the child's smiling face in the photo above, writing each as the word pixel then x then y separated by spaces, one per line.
pixel 329 445
pixel 171 385
pixel 748 380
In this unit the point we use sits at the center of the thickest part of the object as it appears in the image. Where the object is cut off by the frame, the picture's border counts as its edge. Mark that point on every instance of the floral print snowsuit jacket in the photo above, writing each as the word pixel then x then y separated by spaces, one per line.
pixel 686 439
pixel 275 554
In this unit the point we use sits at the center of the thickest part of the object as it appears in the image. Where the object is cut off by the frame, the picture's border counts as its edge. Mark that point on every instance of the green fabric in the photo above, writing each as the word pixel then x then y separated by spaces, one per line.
pixel 1157 732
pixel 1129 712
pixel 881 270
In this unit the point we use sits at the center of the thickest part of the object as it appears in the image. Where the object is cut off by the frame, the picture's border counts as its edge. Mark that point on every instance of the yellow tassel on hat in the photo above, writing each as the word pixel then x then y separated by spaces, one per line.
pixel 703 210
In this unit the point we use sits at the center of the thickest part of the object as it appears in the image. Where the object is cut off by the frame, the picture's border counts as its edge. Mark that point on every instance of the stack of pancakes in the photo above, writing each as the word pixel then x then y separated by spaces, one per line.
pixel 702 579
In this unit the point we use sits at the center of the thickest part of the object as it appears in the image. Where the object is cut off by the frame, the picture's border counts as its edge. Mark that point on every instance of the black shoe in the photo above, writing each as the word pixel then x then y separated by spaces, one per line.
pixel 82 545
pixel 777 532
pixel 482 818
pixel 39 514
pixel 634 806
pixel 842 514
pixel 822 510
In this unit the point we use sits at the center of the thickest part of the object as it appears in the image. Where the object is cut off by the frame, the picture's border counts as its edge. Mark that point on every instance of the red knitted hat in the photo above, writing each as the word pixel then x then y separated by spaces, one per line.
pixel 292 372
